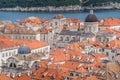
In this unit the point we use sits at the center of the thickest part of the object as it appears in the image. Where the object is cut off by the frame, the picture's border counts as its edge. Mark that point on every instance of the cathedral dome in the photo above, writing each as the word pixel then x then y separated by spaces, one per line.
pixel 91 17
pixel 24 50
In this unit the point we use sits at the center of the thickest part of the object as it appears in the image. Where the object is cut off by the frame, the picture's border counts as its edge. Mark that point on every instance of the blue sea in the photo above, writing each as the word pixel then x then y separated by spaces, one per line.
pixel 13 16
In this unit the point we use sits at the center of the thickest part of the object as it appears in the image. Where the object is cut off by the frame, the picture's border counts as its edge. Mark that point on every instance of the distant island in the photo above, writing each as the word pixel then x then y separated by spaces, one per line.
pixel 57 5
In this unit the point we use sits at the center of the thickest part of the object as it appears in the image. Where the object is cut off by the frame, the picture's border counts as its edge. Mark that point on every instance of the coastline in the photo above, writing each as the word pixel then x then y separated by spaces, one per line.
pixel 57 9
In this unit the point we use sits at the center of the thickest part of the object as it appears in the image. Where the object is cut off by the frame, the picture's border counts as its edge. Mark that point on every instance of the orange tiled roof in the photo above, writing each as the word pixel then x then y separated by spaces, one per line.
pixel 6 42
pixel 58 16
pixel 58 71
pixel 32 44
pixel 1 22
pixel 61 27
pixel 10 26
pixel 22 77
pixel 81 70
pixel 44 19
pixel 32 20
pixel 73 20
pixel 110 22
pixel 45 29
pixel 114 43
pixel 5 77
pixel 43 63
pixel 117 32
pixel 3 37
pixel 48 28
pixel 91 78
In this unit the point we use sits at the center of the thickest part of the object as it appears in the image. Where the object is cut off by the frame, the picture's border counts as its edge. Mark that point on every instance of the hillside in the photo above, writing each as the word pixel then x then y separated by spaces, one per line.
pixel 37 3
pixel 98 2
pixel 56 3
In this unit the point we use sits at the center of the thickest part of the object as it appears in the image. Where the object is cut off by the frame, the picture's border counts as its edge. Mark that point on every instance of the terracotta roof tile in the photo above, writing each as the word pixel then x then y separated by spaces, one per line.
pixel 73 20
pixel 110 22
pixel 32 20
pixel 22 77
pixel 10 26
pixel 32 44
pixel 5 77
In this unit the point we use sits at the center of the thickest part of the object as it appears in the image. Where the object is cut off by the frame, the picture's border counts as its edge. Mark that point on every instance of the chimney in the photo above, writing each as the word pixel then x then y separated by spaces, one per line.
pixel 65 51
pixel 12 75
pixel 28 73
pixel 19 74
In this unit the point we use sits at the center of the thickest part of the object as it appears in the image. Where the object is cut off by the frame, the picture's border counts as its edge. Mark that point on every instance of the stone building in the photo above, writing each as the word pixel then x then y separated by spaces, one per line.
pixel 105 37
pixel 7 49
pixel 89 32
pixel 65 37
pixel 23 61
pixel 22 33
pixel 47 34
pixel 109 23
pixel 11 48
pixel 58 20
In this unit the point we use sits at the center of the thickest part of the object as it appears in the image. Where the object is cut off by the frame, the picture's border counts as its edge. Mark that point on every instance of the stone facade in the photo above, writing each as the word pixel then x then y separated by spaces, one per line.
pixel 91 27
pixel 22 33
pixel 58 20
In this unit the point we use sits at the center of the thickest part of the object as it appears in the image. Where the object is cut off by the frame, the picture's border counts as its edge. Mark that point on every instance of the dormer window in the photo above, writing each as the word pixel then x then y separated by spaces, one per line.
pixel 90 68
pixel 65 51
pixel 107 45
pixel 91 60
pixel 79 58
pixel 87 59
pixel 67 78
pixel 71 74
pixel 72 57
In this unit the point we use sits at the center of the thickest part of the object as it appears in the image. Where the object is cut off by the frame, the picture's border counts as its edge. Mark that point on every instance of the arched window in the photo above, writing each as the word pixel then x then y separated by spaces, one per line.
pixel 67 39
pixel 73 38
pixel 61 38
pixel 107 53
pixel 12 65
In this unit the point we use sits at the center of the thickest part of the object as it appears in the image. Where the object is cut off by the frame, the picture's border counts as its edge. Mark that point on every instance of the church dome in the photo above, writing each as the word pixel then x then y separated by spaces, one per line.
pixel 91 17
pixel 24 50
